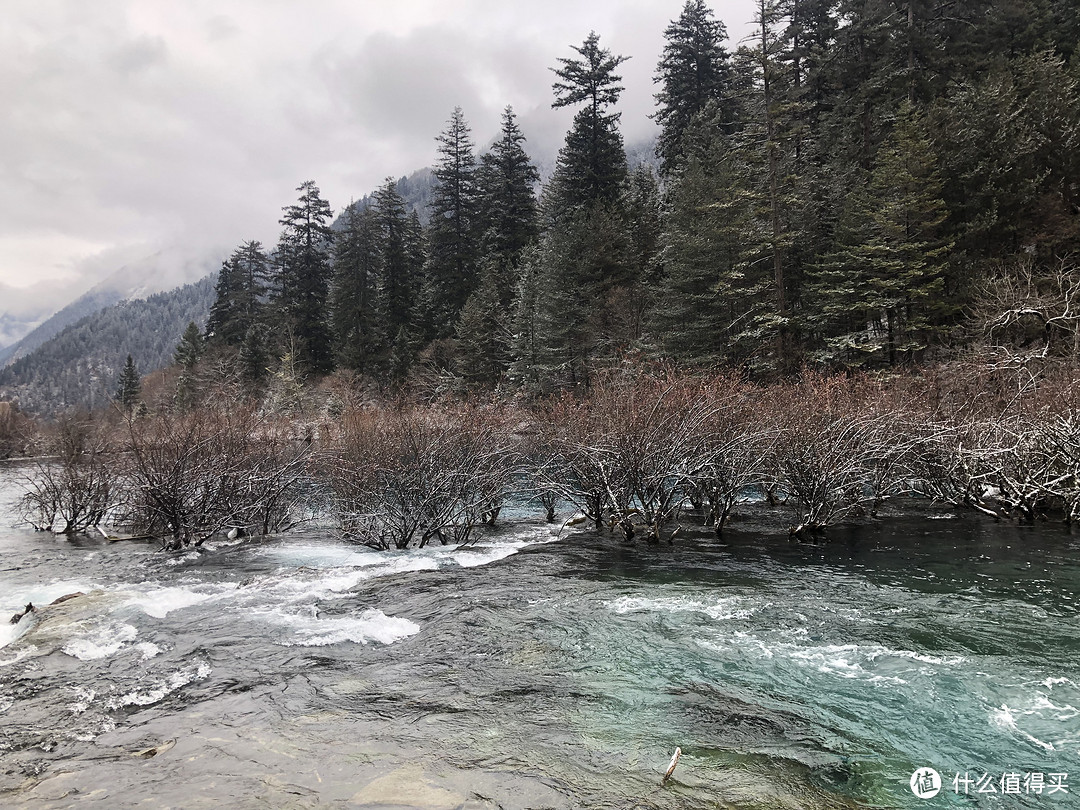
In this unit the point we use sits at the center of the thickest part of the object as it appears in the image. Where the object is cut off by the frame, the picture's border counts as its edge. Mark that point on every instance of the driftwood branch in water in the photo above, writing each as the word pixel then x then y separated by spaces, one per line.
pixel 671 767
pixel 25 611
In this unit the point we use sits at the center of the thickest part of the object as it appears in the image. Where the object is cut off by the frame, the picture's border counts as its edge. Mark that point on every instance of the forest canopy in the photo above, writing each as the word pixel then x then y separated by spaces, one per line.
pixel 859 184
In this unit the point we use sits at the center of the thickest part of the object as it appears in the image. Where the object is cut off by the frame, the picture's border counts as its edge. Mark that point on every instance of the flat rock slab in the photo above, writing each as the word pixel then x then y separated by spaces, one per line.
pixel 409 786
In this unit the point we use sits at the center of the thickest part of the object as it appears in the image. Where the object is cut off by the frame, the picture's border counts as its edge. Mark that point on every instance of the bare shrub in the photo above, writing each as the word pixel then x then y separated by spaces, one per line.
pixel 1030 312
pixel 733 449
pixel 839 451
pixel 191 475
pixel 1028 465
pixel 626 452
pixel 76 490
pixel 409 476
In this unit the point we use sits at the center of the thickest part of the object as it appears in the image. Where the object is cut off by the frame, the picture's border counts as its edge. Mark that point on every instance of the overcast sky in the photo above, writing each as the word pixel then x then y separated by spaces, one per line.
pixel 135 125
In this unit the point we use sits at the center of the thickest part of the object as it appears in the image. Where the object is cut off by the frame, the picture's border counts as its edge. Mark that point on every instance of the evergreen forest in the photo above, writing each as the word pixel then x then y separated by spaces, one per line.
pixel 862 184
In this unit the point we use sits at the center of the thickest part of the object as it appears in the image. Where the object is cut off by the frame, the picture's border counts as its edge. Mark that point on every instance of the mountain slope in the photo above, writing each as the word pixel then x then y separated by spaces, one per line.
pixel 79 366
pixel 164 270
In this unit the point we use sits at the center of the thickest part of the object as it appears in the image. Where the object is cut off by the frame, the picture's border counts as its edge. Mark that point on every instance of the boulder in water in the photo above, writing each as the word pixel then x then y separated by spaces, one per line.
pixel 66 597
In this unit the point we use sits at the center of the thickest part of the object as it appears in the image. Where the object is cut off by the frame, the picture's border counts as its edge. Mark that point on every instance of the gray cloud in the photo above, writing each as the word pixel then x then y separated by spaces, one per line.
pixel 131 124
pixel 138 55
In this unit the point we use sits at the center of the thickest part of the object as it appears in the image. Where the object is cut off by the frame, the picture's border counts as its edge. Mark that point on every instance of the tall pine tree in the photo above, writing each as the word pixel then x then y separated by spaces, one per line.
pixel 353 294
pixel 694 74
pixel 400 269
pixel 128 386
pixel 591 166
pixel 450 273
pixel 508 213
pixel 304 264
pixel 880 292
pixel 240 295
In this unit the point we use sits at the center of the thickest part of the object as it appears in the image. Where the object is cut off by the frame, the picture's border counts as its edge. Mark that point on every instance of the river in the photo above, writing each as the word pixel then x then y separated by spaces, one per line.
pixel 539 670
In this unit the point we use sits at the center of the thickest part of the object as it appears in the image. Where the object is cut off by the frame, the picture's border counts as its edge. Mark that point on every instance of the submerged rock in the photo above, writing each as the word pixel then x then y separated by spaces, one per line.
pixel 66 597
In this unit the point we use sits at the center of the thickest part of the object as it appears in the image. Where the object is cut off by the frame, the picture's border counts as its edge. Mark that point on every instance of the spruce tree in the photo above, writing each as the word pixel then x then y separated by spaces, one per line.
pixel 644 207
pixel 765 175
pixel 508 212
pixel 187 355
pixel 400 267
pixel 881 291
pixel 190 348
pixel 526 338
pixel 591 166
pixel 304 260
pixel 694 74
pixel 450 272
pixel 354 302
pixel 222 323
pixel 582 269
pixel 581 264
pixel 401 355
pixel 909 217
pixel 240 295
pixel 713 299
pixel 255 355
pixel 127 386
pixel 483 336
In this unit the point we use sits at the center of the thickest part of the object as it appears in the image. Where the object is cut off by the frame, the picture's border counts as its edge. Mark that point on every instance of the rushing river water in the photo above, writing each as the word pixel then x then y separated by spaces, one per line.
pixel 536 671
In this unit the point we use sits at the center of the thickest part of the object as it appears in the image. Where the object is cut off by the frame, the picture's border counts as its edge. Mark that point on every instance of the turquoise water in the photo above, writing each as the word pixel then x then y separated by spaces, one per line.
pixel 546 671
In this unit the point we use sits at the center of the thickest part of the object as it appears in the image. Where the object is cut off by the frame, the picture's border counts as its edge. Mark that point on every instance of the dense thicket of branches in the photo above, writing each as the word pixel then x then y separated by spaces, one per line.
pixel 647 449
pixel 406 477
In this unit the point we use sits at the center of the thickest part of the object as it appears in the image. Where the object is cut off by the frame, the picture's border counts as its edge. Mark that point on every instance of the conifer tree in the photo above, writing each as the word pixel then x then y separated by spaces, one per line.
pixel 400 265
pixel 908 223
pixel 450 272
pixel 694 74
pixel 357 264
pixel 583 262
pixel 882 288
pixel 128 386
pixel 591 166
pixel 190 348
pixel 401 355
pixel 483 336
pixel 240 293
pixel 713 298
pixel 644 213
pixel 580 264
pixel 223 321
pixel 526 338
pixel 508 212
pixel 254 356
pixel 304 261
pixel 187 355
pixel 765 176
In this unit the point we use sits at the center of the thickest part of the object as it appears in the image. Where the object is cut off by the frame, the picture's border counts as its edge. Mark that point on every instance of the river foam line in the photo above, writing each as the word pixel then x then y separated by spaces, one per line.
pixel 726 607
pixel 311 630
pixel 163 688
pixel 101 642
